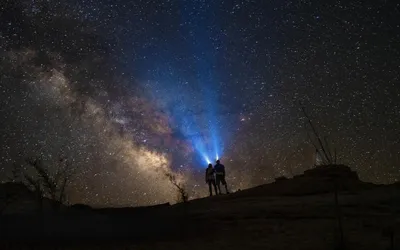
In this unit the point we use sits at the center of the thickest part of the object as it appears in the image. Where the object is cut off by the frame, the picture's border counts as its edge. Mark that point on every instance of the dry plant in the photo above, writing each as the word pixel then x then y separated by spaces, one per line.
pixel 182 194
pixel 323 151
pixel 45 184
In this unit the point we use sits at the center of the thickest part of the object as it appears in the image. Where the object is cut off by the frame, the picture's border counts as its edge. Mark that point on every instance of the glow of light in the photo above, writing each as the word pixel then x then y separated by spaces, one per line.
pixel 191 125
pixel 203 149
pixel 207 159
pixel 205 69
pixel 191 130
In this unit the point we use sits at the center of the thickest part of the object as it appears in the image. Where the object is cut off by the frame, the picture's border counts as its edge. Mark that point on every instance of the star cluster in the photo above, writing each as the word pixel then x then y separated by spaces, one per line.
pixel 127 89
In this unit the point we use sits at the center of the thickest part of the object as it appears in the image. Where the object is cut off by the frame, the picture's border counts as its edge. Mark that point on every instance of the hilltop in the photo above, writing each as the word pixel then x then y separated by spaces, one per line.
pixel 297 213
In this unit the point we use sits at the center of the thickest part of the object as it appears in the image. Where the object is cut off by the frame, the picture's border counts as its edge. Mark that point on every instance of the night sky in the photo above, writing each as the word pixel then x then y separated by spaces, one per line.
pixel 130 91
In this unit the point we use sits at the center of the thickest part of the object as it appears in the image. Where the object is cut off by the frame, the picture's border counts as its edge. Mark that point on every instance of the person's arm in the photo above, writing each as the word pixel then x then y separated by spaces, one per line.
pixel 206 175
pixel 223 169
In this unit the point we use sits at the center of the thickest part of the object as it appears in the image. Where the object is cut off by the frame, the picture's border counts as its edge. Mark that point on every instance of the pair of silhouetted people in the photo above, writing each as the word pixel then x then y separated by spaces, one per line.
pixel 215 176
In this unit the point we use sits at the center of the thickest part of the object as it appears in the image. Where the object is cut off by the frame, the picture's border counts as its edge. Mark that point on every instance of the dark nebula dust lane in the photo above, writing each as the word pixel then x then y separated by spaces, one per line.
pixel 133 91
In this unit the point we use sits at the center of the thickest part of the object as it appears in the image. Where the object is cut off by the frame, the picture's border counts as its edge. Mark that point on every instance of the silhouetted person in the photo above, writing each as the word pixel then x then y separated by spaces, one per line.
pixel 220 176
pixel 210 179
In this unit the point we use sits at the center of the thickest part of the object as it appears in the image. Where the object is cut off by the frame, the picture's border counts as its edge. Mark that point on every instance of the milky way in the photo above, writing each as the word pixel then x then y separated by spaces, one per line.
pixel 131 91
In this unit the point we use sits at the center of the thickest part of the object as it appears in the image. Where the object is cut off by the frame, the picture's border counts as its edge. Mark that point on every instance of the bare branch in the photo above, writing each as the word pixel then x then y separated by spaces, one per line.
pixel 51 186
pixel 183 196
pixel 328 148
pixel 316 135
pixel 315 146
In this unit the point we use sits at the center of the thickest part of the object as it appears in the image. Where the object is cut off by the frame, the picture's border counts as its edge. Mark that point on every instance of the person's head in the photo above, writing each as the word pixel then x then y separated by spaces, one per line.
pixel 210 165
pixel 217 161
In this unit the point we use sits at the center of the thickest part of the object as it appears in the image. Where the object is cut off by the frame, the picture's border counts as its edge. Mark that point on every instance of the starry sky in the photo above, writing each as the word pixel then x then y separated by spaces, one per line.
pixel 133 91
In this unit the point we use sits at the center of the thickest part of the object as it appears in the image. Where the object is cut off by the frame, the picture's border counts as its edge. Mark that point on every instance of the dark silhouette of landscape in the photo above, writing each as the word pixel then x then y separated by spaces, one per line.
pixel 327 207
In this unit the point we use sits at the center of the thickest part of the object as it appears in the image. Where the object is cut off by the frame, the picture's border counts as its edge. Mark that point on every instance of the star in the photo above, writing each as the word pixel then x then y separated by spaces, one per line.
pixel 138 93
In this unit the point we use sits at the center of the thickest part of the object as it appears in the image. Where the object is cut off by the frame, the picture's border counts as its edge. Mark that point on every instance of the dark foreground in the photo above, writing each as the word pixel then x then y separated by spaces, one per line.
pixel 251 219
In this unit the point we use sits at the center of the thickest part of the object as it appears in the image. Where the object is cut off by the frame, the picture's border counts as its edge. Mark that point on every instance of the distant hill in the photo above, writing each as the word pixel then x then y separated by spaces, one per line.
pixel 16 198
